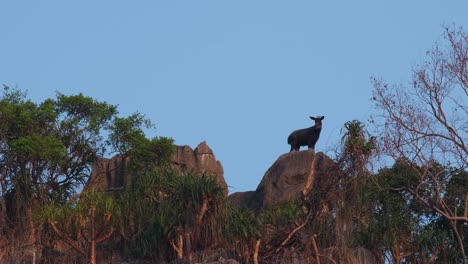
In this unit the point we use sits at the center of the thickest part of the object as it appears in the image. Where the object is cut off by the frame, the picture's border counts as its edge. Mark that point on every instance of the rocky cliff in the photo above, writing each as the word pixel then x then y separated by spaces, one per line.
pixel 199 161
pixel 110 174
pixel 291 175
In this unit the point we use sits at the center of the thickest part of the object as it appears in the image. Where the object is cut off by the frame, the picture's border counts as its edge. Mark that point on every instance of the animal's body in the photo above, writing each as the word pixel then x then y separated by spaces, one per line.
pixel 307 136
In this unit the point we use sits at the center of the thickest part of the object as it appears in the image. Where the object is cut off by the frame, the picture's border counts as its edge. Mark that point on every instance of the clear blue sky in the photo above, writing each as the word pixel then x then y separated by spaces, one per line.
pixel 240 75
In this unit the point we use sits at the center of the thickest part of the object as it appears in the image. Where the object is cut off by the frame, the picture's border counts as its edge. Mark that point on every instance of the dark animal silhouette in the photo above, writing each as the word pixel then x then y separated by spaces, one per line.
pixel 307 136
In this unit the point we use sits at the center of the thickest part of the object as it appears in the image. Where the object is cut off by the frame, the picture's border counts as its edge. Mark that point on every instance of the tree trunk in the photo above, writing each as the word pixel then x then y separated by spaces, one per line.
pixel 92 254
pixel 453 224
pixel 188 247
pixel 246 253
pixel 178 246
pixel 32 234
pixel 92 248
pixel 203 210
pixel 317 253
pixel 396 255
pixel 3 212
pixel 256 249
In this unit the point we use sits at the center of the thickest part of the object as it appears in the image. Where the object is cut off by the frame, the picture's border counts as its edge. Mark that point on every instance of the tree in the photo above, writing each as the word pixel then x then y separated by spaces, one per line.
pixel 353 210
pixel 260 236
pixel 142 154
pixel 145 226
pixel 241 231
pixel 195 206
pixel 46 151
pixel 126 132
pixel 168 214
pixel 49 147
pixel 358 148
pixel 394 221
pixel 425 124
pixel 405 229
pixel 84 224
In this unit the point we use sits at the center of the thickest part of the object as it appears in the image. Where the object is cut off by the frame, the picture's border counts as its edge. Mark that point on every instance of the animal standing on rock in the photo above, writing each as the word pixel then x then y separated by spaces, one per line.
pixel 307 136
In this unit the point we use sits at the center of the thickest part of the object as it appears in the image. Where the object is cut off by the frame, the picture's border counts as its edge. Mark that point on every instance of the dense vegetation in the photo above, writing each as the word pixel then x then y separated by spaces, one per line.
pixel 413 211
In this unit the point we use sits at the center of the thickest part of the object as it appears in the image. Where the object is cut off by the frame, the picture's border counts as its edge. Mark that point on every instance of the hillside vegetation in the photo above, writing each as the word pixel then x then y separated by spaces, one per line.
pixel 413 211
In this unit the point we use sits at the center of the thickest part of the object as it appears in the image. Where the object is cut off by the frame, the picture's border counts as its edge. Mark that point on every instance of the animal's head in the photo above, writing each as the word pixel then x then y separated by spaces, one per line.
pixel 318 121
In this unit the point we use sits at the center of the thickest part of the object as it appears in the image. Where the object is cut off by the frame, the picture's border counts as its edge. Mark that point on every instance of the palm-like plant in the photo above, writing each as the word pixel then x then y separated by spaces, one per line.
pixel 146 223
pixel 196 204
pixel 241 230
pixel 84 224
pixel 358 146
pixel 165 210
pixel 352 210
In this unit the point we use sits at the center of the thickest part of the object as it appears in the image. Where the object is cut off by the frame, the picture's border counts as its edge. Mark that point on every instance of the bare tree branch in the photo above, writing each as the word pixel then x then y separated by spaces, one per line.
pixel 292 233
pixel 426 123
pixel 68 240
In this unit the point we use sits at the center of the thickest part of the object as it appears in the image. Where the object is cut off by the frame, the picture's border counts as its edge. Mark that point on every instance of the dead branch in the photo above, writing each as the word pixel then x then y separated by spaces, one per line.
pixel 292 233
pixel 68 240
pixel 314 244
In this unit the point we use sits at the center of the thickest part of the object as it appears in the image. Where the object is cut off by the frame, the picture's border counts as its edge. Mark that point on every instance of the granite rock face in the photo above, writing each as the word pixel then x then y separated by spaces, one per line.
pixel 111 174
pixel 199 161
pixel 292 175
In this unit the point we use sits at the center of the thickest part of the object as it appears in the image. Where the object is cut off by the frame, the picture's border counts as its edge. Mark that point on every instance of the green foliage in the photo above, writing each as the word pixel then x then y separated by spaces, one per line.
pixel 161 202
pixel 35 147
pixel 241 225
pixel 148 154
pixel 51 144
pixel 146 196
pixel 47 150
pixel 74 216
pixel 84 111
pixel 393 222
pixel 456 192
pixel 84 224
pixel 126 132
pixel 358 147
pixel 437 239
pixel 191 191
pixel 128 139
pixel 402 224
pixel 77 213
pixel 280 214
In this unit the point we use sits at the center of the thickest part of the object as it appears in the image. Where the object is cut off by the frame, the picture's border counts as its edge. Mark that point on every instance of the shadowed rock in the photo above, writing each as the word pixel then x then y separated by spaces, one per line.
pixel 109 174
pixel 112 175
pixel 199 161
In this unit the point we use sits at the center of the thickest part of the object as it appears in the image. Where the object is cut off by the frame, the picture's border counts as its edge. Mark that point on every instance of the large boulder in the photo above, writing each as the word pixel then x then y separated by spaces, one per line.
pixel 292 175
pixel 111 174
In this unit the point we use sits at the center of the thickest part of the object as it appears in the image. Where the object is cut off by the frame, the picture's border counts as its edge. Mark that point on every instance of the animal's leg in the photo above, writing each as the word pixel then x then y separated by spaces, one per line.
pixel 311 146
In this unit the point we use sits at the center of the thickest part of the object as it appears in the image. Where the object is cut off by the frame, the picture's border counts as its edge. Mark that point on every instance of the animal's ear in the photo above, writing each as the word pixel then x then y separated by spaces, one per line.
pixel 313 118
pixel 323 117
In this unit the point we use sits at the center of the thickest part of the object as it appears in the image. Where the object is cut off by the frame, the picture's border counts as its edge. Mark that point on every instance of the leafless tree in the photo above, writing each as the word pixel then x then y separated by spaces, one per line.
pixel 426 122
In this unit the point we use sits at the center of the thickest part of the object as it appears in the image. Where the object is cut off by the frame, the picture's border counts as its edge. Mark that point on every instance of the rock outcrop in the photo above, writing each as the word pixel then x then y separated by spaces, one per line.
pixel 199 161
pixel 293 174
pixel 110 174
